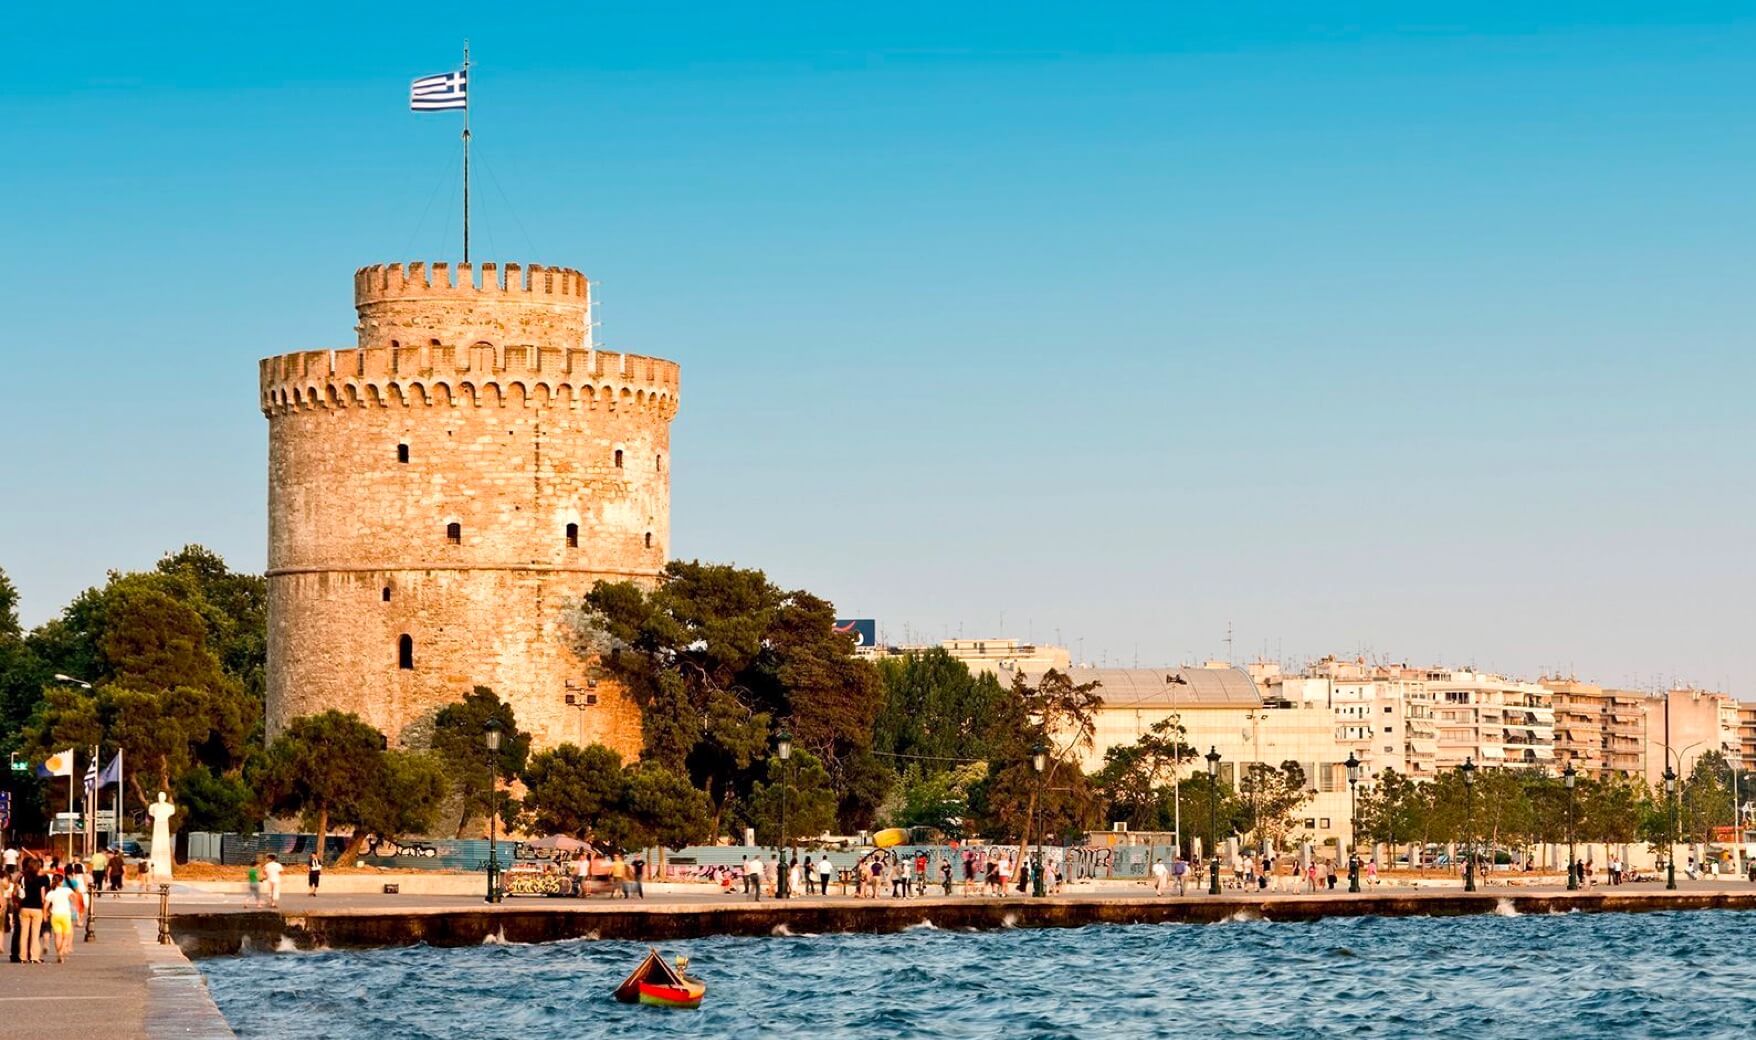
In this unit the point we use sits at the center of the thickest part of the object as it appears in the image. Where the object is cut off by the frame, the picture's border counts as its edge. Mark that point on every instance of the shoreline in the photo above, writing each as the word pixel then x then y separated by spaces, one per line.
pixel 232 932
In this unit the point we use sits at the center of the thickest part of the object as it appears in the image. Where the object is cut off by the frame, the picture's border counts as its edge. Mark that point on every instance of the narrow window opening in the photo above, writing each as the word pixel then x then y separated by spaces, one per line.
pixel 402 453
pixel 649 539
pixel 387 594
pixel 405 652
pixel 658 462
pixel 618 458
pixel 572 536
pixel 454 533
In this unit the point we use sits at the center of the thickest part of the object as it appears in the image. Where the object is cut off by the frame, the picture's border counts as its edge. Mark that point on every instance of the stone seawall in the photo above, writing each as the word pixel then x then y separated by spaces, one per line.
pixel 228 933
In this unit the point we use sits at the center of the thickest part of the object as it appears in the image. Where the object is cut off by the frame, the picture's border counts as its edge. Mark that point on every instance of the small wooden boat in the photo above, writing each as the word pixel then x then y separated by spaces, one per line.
pixel 657 984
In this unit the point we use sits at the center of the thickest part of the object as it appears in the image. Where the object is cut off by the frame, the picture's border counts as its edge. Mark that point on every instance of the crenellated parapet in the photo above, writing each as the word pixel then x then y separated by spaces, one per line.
pixel 479 375
pixel 422 304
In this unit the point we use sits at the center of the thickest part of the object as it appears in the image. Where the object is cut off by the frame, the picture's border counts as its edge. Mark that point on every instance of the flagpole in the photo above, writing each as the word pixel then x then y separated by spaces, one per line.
pixel 466 151
pixel 116 835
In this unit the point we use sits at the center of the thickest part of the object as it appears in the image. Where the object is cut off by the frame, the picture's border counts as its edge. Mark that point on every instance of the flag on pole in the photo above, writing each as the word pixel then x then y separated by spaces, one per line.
pixel 91 777
pixel 112 773
pixel 441 92
pixel 58 764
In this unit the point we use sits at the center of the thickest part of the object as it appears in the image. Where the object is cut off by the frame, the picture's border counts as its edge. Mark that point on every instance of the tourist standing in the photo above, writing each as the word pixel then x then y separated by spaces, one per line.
pixel 253 877
pixel 9 908
pixel 969 871
pixel 637 867
pixel 825 871
pixel 945 874
pixel 810 876
pixel 271 875
pixel 30 912
pixel 1160 875
pixel 118 863
pixel 753 877
pixel 794 873
pixel 314 872
pixel 1372 872
pixel 9 858
pixel 1004 875
pixel 1180 873
pixel 920 873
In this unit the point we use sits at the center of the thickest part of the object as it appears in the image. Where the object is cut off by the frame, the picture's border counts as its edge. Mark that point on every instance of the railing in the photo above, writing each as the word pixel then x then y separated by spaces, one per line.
pixel 162 915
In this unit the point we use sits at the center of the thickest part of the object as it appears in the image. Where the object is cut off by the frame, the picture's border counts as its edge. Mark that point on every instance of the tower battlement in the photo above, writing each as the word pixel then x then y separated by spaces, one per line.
pixel 424 304
pixel 482 374
pixel 398 281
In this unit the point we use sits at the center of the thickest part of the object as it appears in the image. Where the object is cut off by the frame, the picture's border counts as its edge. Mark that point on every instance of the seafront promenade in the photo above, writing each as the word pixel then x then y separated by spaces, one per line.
pixel 229 926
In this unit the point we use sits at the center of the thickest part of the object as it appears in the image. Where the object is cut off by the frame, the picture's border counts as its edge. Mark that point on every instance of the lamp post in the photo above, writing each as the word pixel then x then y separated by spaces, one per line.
pixel 1569 777
pixel 1468 769
pixel 1039 761
pixel 1213 820
pixel 1671 832
pixel 783 748
pixel 1353 832
pixel 491 738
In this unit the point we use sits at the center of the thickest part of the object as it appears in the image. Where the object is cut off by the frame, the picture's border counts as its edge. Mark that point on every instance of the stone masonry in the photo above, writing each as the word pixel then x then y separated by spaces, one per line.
pixel 442 497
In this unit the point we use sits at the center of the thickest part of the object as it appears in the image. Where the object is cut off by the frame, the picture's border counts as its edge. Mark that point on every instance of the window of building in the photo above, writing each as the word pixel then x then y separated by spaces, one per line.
pixel 454 533
pixel 618 458
pixel 405 652
pixel 387 594
pixel 1387 709
pixel 1387 729
pixel 649 539
pixel 402 453
pixel 572 536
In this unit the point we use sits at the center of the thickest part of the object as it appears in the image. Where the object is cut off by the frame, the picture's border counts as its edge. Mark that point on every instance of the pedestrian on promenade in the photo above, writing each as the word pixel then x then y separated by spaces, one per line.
pixel 33 888
pixel 63 904
pixel 825 871
pixel 313 872
pixel 253 877
pixel 945 874
pixel 9 910
pixel 753 878
pixel 10 857
pixel 921 876
pixel 637 867
pixel 1311 876
pixel 1180 873
pixel 1004 874
pixel 969 871
pixel 118 863
pixel 810 876
pixel 1160 875
pixel 794 873
pixel 1372 872
pixel 271 875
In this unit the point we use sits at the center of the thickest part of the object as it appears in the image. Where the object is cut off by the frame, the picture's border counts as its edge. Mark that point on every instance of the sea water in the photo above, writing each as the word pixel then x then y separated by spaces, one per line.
pixel 1674 974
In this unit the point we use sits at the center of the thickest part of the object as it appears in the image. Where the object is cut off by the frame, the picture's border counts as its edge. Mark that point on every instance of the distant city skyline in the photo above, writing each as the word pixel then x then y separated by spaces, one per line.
pixel 1429 340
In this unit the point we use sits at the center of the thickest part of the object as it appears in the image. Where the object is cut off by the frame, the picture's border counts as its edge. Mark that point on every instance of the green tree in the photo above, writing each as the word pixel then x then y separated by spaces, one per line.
pixel 935 714
pixel 662 807
pixel 718 659
pixel 406 798
pixel 576 791
pixel 1705 798
pixel 1135 779
pixel 940 799
pixel 329 768
pixel 207 801
pixel 1269 797
pixel 460 744
pixel 810 800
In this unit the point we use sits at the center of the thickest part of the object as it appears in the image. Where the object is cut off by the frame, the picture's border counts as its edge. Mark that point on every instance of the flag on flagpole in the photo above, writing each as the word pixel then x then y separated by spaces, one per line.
pixel 58 764
pixel 438 93
pixel 112 773
pixel 91 777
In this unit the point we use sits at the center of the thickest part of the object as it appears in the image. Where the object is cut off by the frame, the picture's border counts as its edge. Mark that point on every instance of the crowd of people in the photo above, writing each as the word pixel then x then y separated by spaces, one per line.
pixel 46 899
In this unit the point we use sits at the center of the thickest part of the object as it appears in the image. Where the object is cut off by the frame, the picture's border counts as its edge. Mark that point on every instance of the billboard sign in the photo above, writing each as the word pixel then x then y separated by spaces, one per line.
pixel 864 630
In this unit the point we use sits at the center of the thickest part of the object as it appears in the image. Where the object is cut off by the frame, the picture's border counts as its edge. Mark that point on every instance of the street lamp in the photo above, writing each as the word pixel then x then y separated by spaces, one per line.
pixel 1353 831
pixel 1213 819
pixel 1468 769
pixel 1569 777
pixel 491 739
pixel 783 748
pixel 1671 835
pixel 1039 761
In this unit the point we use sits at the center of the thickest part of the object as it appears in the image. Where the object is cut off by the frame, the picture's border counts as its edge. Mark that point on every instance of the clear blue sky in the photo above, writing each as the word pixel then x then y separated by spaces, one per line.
pixel 1426 332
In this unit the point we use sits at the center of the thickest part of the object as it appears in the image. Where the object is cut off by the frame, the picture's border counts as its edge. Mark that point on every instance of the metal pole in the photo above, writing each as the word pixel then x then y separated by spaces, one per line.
pixel 1353 834
pixel 781 887
pixel 1572 861
pixel 466 151
pixel 1469 863
pixel 1213 835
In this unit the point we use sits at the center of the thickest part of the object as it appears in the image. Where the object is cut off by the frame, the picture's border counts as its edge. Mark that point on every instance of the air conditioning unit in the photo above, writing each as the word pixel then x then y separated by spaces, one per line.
pixel 1119 827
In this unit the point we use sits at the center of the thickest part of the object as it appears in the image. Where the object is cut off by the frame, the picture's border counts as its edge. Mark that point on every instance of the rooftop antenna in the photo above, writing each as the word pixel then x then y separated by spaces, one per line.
pixel 1229 643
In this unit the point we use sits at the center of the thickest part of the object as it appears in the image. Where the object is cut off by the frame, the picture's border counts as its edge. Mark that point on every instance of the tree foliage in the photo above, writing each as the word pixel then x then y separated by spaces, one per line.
pixel 460 744
pixel 810 800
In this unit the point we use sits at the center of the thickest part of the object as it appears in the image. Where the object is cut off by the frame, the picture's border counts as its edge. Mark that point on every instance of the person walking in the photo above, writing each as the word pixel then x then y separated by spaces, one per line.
pixel 795 873
pixel 1160 875
pixel 253 877
pixel 271 875
pixel 945 874
pixel 314 872
pixel 118 864
pixel 63 904
pixel 753 878
pixel 825 871
pixel 33 888
pixel 637 867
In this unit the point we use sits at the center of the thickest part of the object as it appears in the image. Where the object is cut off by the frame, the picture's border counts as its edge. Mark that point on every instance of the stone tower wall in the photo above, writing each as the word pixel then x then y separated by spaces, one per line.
pixel 511 430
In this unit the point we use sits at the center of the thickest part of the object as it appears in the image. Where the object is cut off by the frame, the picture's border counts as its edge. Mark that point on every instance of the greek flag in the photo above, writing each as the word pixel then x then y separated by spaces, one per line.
pixel 91 775
pixel 437 93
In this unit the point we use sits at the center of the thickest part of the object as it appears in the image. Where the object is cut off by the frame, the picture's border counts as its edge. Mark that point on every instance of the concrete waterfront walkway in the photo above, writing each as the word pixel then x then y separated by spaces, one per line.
pixel 368 920
pixel 123 984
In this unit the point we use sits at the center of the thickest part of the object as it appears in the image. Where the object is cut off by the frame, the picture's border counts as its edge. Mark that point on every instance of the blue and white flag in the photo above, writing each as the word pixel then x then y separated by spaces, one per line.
pixel 91 775
pixel 112 773
pixel 441 92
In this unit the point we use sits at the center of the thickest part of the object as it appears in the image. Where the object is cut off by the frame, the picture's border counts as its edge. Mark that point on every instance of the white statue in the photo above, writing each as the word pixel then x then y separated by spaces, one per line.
pixel 161 812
